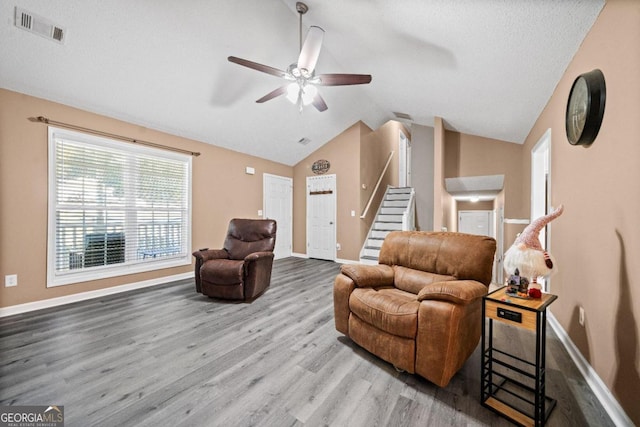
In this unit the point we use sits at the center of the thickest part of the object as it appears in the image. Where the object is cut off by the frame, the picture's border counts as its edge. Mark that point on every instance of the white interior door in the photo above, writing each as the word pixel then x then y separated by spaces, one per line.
pixel 476 222
pixel 540 188
pixel 404 161
pixel 321 217
pixel 278 205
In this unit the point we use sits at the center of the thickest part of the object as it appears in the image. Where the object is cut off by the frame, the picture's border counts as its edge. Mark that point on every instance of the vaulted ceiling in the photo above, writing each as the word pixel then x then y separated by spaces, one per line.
pixel 487 67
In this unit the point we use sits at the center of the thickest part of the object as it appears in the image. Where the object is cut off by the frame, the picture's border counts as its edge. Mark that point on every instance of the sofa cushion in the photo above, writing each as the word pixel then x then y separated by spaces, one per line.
pixel 246 236
pixel 368 275
pixel 388 309
pixel 413 281
pixel 456 291
pixel 464 256
pixel 222 271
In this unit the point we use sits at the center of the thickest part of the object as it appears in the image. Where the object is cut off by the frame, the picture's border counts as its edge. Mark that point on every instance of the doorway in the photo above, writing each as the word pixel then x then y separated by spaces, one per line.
pixel 540 188
pixel 321 217
pixel 476 222
pixel 278 204
pixel 404 161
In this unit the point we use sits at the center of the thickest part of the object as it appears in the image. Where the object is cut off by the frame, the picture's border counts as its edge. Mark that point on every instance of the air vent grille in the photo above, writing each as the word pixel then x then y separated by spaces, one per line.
pixel 304 141
pixel 38 25
pixel 25 20
pixel 402 116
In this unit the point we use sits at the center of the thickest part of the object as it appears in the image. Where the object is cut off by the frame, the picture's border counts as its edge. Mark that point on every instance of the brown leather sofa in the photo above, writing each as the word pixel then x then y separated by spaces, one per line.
pixel 242 269
pixel 420 308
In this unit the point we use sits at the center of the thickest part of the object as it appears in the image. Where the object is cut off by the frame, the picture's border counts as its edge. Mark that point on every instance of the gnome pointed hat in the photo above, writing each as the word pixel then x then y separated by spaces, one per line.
pixel 529 237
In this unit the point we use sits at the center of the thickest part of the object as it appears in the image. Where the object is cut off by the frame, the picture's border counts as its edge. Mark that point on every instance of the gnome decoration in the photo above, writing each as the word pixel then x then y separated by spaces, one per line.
pixel 527 256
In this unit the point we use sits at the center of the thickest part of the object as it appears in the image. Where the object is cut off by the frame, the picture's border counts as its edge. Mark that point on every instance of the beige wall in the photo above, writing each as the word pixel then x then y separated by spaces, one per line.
pixel 422 174
pixel 343 152
pixel 375 149
pixel 357 158
pixel 597 240
pixel 470 155
pixel 221 191
pixel 442 200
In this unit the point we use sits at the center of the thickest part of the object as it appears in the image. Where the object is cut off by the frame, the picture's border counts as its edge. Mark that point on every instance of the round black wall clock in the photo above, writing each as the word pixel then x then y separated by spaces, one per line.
pixel 585 108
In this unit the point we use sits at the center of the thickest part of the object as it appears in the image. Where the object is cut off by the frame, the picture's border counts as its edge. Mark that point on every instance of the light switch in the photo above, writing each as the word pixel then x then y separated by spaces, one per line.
pixel 249 170
pixel 353 213
pixel 260 213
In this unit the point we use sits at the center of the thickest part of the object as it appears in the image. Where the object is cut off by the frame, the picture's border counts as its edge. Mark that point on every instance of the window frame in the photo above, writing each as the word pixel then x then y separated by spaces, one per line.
pixel 57 278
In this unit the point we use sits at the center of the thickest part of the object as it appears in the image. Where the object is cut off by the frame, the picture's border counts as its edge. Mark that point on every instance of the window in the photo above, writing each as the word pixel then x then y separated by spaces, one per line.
pixel 114 208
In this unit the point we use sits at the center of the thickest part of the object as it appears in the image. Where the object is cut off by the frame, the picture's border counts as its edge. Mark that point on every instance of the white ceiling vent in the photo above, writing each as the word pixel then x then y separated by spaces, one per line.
pixel 38 25
pixel 402 116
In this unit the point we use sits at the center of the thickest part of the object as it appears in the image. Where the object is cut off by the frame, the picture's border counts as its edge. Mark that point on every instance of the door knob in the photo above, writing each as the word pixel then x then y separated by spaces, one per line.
pixel 330 222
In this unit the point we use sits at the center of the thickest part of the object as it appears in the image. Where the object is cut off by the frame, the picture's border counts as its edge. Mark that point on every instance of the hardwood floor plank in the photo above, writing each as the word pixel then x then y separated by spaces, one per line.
pixel 169 356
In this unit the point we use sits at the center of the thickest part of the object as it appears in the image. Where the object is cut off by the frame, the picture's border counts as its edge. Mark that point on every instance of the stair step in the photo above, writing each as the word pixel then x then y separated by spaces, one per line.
pixel 387 226
pixel 401 190
pixel 368 260
pixel 374 243
pixel 392 210
pixel 379 234
pixel 394 203
pixel 399 196
pixel 371 252
pixel 389 218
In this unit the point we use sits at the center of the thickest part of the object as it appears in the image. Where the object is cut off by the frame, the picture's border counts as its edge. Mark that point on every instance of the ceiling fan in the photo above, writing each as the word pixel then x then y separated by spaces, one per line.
pixel 302 88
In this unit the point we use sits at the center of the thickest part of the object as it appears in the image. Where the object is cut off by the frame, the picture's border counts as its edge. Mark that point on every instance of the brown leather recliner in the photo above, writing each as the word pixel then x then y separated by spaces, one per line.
pixel 420 308
pixel 242 269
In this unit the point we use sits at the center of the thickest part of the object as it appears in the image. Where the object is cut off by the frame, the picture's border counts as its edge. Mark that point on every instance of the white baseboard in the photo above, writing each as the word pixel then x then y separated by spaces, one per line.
pixel 299 255
pixel 346 261
pixel 599 388
pixel 68 299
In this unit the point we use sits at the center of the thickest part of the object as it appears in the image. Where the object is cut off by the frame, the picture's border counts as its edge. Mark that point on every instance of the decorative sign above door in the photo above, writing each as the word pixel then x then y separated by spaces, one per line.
pixel 320 167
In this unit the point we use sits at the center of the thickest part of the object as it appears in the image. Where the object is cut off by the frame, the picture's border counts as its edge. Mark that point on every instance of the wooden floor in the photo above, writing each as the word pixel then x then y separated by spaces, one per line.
pixel 167 356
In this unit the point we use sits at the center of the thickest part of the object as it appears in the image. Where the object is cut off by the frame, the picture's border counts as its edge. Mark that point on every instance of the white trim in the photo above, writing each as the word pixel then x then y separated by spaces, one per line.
pixel 332 180
pixel 346 261
pixel 299 255
pixel 516 221
pixel 82 296
pixel 55 278
pixel 265 213
pixel 599 388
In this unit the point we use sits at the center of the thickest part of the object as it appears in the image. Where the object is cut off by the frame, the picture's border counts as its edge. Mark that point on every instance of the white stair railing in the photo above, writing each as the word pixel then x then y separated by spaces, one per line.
pixel 409 215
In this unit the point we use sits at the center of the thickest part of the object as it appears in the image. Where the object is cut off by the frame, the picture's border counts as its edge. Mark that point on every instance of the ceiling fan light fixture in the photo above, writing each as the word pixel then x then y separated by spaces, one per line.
pixel 302 91
pixel 292 92
pixel 308 93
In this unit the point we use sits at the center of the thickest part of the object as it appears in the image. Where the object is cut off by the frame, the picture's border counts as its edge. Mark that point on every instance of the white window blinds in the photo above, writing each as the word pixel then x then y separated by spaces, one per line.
pixel 115 208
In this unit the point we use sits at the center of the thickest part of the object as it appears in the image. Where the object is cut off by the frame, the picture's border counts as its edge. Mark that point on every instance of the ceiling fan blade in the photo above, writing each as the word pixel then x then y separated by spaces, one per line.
pixel 319 103
pixel 343 79
pixel 273 94
pixel 256 66
pixel 311 50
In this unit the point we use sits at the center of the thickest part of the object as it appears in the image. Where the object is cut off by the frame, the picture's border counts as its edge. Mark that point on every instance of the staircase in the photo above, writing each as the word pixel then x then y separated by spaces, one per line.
pixel 396 212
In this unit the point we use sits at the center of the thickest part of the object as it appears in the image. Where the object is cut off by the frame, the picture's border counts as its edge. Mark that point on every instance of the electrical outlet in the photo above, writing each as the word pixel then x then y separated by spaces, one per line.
pixel 581 316
pixel 338 247
pixel 10 280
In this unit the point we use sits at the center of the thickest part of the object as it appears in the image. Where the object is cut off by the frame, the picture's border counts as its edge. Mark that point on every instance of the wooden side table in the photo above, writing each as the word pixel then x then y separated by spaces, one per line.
pixel 512 386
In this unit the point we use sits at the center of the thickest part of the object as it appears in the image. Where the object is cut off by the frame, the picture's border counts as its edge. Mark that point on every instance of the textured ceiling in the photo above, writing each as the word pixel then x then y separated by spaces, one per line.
pixel 487 67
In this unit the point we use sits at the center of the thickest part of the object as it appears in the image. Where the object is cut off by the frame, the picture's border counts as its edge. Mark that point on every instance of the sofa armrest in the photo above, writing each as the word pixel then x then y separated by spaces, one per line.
pixel 258 255
pixel 203 255
pixel 369 276
pixel 257 273
pixel 457 291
